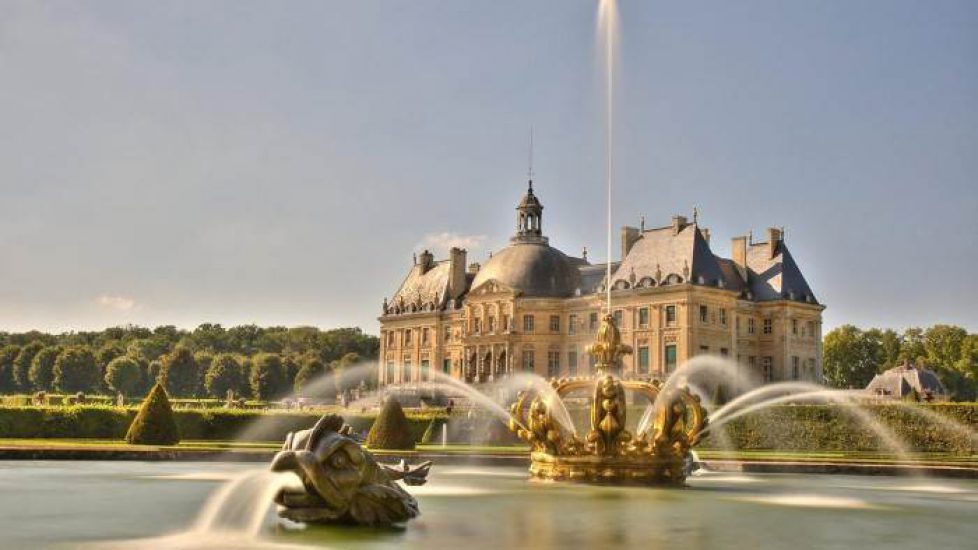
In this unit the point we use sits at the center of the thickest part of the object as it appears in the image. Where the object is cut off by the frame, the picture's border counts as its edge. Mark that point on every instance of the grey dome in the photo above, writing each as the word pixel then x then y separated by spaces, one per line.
pixel 535 269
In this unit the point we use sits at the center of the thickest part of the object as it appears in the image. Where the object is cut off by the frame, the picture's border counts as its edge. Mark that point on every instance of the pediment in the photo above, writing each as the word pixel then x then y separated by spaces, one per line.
pixel 492 286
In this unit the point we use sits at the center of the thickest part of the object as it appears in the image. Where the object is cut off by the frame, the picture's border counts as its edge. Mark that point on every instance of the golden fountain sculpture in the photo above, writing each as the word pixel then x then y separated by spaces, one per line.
pixel 609 453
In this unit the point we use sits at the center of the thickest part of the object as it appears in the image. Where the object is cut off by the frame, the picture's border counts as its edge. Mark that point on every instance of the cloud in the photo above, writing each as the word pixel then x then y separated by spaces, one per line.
pixel 443 241
pixel 120 303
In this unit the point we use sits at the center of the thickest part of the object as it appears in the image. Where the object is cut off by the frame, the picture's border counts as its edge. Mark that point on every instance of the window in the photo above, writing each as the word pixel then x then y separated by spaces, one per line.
pixel 505 325
pixel 767 368
pixel 751 361
pixel 704 349
pixel 750 325
pixel 724 352
pixel 424 370
pixel 477 326
pixel 407 337
pixel 670 358
pixel 643 360
pixel 491 324
pixel 794 327
pixel 390 339
pixel 591 362
pixel 527 323
pixel 618 318
pixel 643 317
pixel 811 329
pixel 768 326
pixel 406 374
pixel 553 364
pixel 670 315
pixel 572 363
pixel 390 372
pixel 424 337
pixel 446 366
pixel 555 323
pixel 592 321
pixel 448 334
pixel 528 360
pixel 572 324
pixel 704 314
pixel 723 316
pixel 795 367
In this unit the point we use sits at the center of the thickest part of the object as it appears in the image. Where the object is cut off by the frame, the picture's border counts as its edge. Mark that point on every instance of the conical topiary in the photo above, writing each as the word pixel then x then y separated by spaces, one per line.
pixel 391 430
pixel 154 423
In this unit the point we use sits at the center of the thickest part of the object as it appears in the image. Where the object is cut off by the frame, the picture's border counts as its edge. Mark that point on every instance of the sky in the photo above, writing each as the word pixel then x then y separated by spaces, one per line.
pixel 278 163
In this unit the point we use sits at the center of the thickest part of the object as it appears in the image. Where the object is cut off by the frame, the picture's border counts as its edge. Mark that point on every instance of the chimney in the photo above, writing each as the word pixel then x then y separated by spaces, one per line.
pixel 706 235
pixel 427 261
pixel 474 268
pixel 456 272
pixel 678 223
pixel 628 237
pixel 738 251
pixel 773 238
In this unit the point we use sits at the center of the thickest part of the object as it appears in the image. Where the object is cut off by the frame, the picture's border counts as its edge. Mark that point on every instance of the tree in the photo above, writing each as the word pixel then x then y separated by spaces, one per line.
pixel 890 344
pixel 109 351
pixel 224 374
pixel 267 377
pixel 75 370
pixel 912 347
pixel 41 374
pixel 154 423
pixel 312 370
pixel 290 366
pixel 391 430
pixel 123 374
pixel 179 373
pixel 850 359
pixel 22 365
pixel 342 374
pixel 8 354
pixel 943 344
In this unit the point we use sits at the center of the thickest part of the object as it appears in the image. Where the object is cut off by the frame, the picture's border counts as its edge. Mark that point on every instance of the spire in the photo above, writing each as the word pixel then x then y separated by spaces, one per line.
pixel 529 212
pixel 529 169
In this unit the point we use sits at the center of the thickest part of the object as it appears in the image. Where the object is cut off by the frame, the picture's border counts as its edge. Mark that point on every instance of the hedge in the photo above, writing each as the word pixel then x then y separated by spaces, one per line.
pixel 833 428
pixel 103 422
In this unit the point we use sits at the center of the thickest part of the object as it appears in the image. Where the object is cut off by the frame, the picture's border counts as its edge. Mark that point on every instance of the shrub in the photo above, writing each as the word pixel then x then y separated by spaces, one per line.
pixel 75 370
pixel 154 423
pixel 123 375
pixel 391 430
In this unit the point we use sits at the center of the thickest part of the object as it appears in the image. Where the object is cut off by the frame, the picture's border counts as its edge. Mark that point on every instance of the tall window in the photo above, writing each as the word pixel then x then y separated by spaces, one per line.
pixel 572 324
pixel 643 317
pixel 505 325
pixel 527 323
pixel 752 362
pixel 670 315
pixel 724 352
pixel 643 360
pixel 750 325
pixel 491 322
pixel 446 366
pixel 768 326
pixel 572 363
pixel 448 334
pixel 477 325
pixel 795 367
pixel 794 327
pixel 424 370
pixel 555 323
pixel 767 368
pixel 424 337
pixel 704 314
pixel 528 360
pixel 553 364
pixel 723 316
pixel 407 337
pixel 591 362
pixel 618 317
pixel 406 374
pixel 811 329
pixel 390 372
pixel 592 321
pixel 670 357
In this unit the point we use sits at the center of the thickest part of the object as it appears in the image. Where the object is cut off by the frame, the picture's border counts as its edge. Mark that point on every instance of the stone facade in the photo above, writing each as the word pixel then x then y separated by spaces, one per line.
pixel 533 308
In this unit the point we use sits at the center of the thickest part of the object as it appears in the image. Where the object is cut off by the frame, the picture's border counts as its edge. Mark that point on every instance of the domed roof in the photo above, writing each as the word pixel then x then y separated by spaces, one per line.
pixel 533 268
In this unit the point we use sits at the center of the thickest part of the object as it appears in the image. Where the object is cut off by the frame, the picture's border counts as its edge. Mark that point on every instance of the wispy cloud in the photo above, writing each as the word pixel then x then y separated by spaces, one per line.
pixel 441 242
pixel 120 303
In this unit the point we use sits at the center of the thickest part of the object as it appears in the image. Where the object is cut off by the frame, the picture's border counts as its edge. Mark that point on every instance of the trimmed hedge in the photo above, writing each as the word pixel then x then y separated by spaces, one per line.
pixel 104 422
pixel 392 429
pixel 154 423
pixel 834 428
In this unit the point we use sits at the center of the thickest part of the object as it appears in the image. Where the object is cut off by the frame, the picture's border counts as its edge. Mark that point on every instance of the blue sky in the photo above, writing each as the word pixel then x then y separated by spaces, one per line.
pixel 279 162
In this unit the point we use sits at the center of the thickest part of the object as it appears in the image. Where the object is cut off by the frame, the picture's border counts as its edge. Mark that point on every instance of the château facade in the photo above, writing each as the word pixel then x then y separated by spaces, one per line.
pixel 533 308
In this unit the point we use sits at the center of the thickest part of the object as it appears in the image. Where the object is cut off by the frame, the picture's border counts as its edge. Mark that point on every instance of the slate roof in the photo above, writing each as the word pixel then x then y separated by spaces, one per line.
pixel 663 256
pixel 776 277
pixel 423 290
pixel 532 268
pixel 901 380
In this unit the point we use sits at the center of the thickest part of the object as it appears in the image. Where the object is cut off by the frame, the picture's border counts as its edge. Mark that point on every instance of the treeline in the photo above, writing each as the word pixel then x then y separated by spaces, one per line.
pixel 852 356
pixel 259 362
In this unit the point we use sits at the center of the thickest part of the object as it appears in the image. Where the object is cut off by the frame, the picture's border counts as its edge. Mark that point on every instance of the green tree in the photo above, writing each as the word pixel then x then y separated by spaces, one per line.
pixel 41 374
pixel 849 359
pixel 22 365
pixel 912 346
pixel 890 344
pixel 224 374
pixel 267 376
pixel 109 351
pixel 8 354
pixel 312 370
pixel 154 423
pixel 123 375
pixel 75 370
pixel 179 372
pixel 943 344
